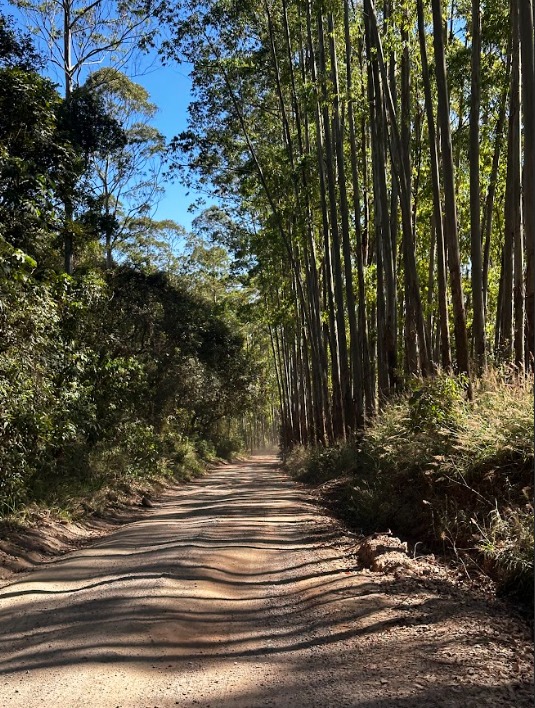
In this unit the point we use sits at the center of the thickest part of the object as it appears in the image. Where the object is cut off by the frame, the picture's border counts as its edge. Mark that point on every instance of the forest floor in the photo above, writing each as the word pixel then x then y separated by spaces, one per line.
pixel 238 590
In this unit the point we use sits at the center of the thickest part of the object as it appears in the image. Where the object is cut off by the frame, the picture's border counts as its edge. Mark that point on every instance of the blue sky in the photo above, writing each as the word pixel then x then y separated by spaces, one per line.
pixel 169 88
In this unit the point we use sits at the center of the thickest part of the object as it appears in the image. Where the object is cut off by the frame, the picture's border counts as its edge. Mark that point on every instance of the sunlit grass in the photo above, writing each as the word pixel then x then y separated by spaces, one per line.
pixel 436 467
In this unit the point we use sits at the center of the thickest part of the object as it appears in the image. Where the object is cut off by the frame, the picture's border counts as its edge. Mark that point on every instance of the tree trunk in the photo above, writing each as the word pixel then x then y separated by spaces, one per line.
pixel 411 333
pixel 354 413
pixel 491 191
pixel 330 158
pixel 364 353
pixel 527 41
pixel 478 326
pixel 512 195
pixel 337 422
pixel 67 204
pixel 431 284
pixel 445 349
pixel 386 286
pixel 450 215
pixel 415 316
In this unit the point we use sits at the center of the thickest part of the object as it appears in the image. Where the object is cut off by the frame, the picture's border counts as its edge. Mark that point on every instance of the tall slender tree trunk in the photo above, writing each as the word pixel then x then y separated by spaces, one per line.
pixel 445 349
pixel 386 286
pixel 363 353
pixel 280 386
pixel 354 413
pixel 336 426
pixel 415 320
pixel 512 195
pixel 67 203
pixel 450 212
pixel 493 180
pixel 393 319
pixel 431 284
pixel 527 41
pixel 518 235
pixel 478 327
pixel 330 158
pixel 411 337
pixel 318 364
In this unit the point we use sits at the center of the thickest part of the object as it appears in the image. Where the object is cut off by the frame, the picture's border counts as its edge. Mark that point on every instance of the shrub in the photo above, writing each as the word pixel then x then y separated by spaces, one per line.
pixel 205 449
pixel 506 541
pixel 228 446
pixel 320 464
pixel 451 472
pixel 435 405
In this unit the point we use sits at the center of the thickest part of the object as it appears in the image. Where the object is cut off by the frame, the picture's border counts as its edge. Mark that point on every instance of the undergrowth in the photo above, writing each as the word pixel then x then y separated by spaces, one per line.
pixel 454 473
pixel 136 460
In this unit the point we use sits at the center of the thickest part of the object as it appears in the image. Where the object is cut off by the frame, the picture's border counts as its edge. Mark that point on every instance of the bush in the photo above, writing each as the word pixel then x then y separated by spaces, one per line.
pixel 228 446
pixel 206 450
pixel 320 464
pixel 454 473
pixel 434 405
pixel 506 541
pixel 107 380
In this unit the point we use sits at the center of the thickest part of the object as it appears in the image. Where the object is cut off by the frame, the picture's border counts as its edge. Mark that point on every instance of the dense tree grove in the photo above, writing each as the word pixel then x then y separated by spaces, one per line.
pixel 120 367
pixel 377 162
pixel 372 168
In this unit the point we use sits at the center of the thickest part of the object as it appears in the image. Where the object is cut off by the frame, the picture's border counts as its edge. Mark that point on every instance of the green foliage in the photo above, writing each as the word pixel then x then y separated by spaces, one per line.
pixel 107 379
pixel 321 464
pixel 506 540
pixel 30 157
pixel 439 469
pixel 89 124
pixel 433 405
pixel 115 374
pixel 228 446
pixel 205 449
pixel 16 48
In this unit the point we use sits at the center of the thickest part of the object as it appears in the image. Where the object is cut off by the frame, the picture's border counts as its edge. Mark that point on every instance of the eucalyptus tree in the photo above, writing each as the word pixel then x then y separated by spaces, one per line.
pixel 124 178
pixel 414 313
pixel 513 208
pixel 450 205
pixel 475 200
pixel 445 351
pixel 527 41
pixel 265 167
pixel 77 35
pixel 151 244
pixel 361 168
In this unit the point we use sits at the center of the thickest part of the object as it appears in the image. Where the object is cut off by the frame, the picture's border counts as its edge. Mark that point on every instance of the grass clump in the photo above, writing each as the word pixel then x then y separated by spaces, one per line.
pixel 316 465
pixel 454 473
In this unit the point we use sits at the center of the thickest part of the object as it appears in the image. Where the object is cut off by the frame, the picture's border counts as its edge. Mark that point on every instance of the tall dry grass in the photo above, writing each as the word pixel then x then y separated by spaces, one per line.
pixel 453 473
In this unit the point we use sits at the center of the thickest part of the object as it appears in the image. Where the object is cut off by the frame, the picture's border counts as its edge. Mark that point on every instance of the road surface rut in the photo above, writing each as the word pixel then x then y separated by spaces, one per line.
pixel 236 591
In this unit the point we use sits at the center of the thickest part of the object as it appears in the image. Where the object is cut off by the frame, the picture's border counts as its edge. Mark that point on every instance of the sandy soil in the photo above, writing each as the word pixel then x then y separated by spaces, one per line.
pixel 235 591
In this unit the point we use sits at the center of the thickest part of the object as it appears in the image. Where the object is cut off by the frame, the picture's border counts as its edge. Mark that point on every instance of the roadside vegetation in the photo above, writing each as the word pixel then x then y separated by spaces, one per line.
pixel 451 474
pixel 112 378
pixel 372 174
pixel 118 366
pixel 378 161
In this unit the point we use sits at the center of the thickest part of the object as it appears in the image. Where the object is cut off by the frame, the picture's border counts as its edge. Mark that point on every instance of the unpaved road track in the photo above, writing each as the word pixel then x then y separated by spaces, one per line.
pixel 235 592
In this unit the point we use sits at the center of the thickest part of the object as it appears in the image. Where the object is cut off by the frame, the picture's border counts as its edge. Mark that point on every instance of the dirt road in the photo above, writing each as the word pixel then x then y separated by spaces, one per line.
pixel 234 591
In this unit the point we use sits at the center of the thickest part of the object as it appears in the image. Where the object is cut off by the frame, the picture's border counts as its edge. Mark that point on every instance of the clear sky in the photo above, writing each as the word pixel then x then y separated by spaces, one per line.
pixel 169 88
